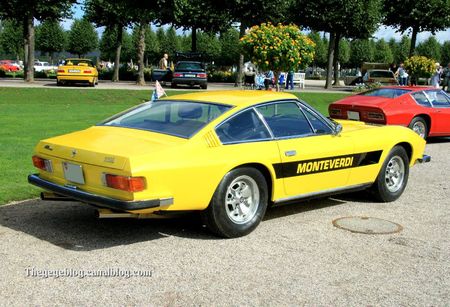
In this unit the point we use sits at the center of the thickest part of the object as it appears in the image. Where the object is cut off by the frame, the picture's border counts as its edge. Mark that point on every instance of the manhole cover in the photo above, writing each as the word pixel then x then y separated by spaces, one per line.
pixel 367 225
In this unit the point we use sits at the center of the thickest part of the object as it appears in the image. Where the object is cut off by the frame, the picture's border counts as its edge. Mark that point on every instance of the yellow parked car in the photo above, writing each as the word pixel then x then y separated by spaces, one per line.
pixel 228 154
pixel 77 71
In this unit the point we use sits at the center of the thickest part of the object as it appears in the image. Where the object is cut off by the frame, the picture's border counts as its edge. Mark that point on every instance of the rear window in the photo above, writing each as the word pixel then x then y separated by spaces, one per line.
pixel 189 66
pixel 80 62
pixel 386 92
pixel 178 118
pixel 381 74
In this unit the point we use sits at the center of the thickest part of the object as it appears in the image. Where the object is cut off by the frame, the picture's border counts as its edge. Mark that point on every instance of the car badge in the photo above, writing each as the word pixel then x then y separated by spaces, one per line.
pixel 74 153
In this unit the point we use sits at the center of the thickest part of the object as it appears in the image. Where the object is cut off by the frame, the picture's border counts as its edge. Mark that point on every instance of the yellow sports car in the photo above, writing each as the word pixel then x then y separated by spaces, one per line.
pixel 77 71
pixel 228 154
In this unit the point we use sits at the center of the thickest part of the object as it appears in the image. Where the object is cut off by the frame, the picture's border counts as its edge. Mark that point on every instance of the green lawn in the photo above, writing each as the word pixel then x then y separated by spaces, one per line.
pixel 28 115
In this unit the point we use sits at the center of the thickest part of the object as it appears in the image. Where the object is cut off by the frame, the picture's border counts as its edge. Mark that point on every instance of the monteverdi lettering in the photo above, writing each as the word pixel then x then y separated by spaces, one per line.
pixel 327 164
pixel 308 167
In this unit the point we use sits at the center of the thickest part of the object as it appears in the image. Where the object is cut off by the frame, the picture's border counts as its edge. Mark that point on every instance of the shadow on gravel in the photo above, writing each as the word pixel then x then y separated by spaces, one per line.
pixel 438 140
pixel 74 226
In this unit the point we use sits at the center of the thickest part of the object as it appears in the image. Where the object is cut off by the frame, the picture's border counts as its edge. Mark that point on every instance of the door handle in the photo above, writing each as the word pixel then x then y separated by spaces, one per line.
pixel 290 153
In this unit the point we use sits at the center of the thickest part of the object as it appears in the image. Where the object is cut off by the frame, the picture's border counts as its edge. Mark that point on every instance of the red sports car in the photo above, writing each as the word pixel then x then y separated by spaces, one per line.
pixel 423 109
pixel 8 66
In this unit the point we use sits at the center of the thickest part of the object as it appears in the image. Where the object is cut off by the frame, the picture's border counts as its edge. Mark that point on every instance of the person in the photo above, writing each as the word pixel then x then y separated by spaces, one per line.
pixel 290 80
pixel 268 80
pixel 446 74
pixel 436 77
pixel 249 76
pixel 163 63
pixel 402 75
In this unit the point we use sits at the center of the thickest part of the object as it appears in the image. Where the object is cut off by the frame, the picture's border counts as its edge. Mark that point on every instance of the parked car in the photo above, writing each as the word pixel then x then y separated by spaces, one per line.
pixel 190 73
pixel 382 76
pixel 43 66
pixel 75 70
pixel 227 154
pixel 8 65
pixel 425 110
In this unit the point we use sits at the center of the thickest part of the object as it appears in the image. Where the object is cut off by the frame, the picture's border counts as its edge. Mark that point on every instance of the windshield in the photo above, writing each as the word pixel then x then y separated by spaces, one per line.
pixel 386 92
pixel 178 118
pixel 381 74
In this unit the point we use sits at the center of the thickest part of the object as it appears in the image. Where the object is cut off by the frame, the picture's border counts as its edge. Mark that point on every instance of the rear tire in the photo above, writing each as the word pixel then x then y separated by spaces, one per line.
pixel 393 176
pixel 173 85
pixel 204 86
pixel 419 126
pixel 238 204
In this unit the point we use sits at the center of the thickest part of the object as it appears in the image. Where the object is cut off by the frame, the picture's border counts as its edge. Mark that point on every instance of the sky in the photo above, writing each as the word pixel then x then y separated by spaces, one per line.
pixel 383 32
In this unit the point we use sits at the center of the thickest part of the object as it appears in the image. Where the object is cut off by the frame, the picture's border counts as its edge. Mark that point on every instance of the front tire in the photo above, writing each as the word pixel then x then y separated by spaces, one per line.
pixel 419 126
pixel 238 204
pixel 393 176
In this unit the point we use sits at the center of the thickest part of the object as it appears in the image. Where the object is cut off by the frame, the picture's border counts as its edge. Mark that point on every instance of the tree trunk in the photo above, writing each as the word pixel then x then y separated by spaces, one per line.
pixel 141 50
pixel 25 47
pixel 30 60
pixel 330 60
pixel 337 40
pixel 413 41
pixel 194 40
pixel 240 74
pixel 115 77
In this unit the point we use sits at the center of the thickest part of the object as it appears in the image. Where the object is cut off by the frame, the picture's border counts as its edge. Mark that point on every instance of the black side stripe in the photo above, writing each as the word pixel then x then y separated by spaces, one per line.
pixel 328 164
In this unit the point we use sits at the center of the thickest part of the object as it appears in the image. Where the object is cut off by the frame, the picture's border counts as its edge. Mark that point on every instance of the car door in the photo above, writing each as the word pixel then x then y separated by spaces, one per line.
pixel 313 159
pixel 440 112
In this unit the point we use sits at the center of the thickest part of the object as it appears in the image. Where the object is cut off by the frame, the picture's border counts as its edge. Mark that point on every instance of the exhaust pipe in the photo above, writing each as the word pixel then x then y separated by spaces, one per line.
pixel 54 197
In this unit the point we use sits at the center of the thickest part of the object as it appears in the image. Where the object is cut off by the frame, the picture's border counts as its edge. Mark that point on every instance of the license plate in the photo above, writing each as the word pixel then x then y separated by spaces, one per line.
pixel 73 172
pixel 74 70
pixel 189 76
pixel 353 115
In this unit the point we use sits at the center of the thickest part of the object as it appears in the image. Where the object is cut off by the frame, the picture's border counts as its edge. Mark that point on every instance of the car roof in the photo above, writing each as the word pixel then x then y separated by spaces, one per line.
pixel 238 98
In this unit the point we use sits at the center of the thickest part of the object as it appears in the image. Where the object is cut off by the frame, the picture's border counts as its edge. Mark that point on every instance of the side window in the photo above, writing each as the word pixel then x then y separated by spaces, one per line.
pixel 285 119
pixel 318 125
pixel 438 99
pixel 421 99
pixel 245 126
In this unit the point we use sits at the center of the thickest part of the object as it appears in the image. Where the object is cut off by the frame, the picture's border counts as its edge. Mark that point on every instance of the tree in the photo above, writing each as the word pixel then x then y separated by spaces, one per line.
pixel 25 11
pixel 383 53
pixel 208 44
pixel 345 18
pixel 403 49
pixel 50 37
pixel 152 45
pixel 430 15
pixel 11 38
pixel 419 66
pixel 206 15
pixel 253 12
pixel 445 53
pixel 430 48
pixel 344 52
pixel 113 15
pixel 361 50
pixel 108 48
pixel 278 48
pixel 229 47
pixel 82 37
pixel 320 55
pixel 172 44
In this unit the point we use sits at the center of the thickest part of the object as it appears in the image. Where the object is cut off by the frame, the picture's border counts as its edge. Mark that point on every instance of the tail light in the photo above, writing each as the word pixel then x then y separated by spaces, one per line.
pixel 371 80
pixel 125 183
pixel 202 75
pixel 177 75
pixel 335 112
pixel 60 70
pixel 376 116
pixel 87 71
pixel 43 164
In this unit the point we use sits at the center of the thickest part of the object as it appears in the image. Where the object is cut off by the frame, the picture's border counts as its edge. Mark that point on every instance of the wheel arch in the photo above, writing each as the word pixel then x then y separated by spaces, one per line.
pixel 427 119
pixel 265 172
pixel 408 148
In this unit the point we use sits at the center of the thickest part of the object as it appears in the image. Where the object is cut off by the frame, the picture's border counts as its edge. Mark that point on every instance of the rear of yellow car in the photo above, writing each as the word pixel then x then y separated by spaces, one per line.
pixel 77 71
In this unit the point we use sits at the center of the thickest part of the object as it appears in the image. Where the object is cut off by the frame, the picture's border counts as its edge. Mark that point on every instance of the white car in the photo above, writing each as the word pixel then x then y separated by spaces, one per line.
pixel 43 66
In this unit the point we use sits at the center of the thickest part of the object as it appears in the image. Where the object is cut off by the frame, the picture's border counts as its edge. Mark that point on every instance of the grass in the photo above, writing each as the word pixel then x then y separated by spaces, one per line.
pixel 28 115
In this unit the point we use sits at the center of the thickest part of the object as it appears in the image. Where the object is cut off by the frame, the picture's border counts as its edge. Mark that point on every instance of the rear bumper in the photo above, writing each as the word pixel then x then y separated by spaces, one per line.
pixel 97 200
pixel 189 81
pixel 76 78
pixel 424 159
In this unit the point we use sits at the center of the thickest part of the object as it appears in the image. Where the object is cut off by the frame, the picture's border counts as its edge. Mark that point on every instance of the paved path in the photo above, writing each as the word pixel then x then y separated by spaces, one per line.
pixel 295 257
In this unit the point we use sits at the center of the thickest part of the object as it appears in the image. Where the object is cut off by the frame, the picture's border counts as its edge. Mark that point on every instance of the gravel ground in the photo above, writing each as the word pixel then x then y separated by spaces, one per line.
pixel 295 257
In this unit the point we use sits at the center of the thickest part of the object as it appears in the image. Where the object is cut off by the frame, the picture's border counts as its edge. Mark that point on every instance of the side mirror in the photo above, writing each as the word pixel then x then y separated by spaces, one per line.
pixel 337 129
